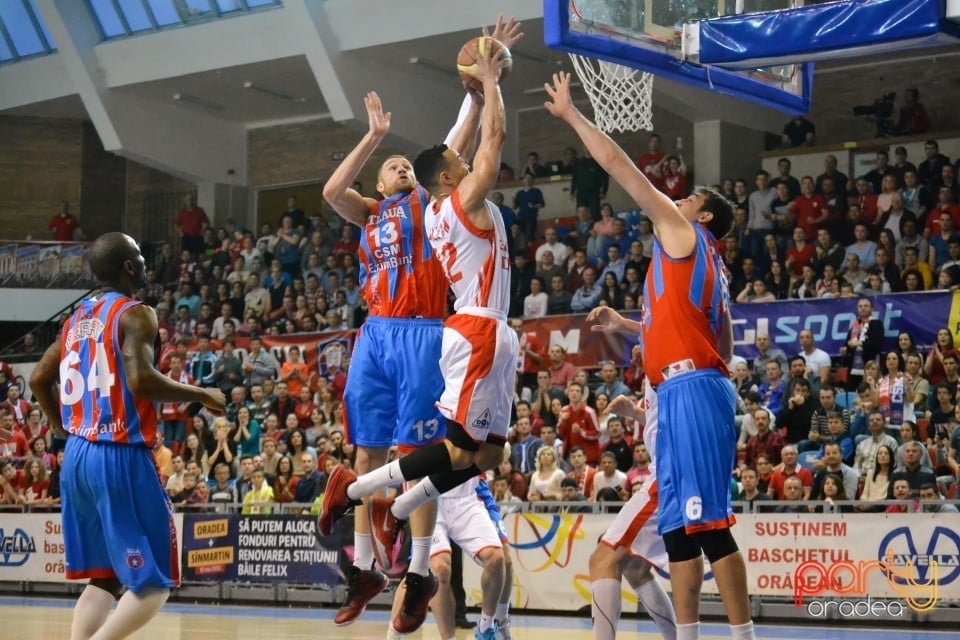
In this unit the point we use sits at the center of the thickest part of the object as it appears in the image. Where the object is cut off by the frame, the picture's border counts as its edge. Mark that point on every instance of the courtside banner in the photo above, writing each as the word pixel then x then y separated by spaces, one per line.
pixel 919 314
pixel 811 558
pixel 258 548
pixel 31 547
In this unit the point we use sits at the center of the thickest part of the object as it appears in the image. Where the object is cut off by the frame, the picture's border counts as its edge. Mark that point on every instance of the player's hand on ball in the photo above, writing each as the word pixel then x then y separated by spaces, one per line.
pixel 379 121
pixel 509 33
pixel 489 65
pixel 559 92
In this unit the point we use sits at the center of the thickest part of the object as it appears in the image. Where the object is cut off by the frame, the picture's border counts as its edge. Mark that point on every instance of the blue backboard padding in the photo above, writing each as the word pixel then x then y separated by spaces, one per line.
pixel 819 31
pixel 557 35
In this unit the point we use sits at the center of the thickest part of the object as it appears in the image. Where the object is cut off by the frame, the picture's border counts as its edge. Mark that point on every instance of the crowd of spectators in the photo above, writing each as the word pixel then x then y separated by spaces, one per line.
pixel 844 433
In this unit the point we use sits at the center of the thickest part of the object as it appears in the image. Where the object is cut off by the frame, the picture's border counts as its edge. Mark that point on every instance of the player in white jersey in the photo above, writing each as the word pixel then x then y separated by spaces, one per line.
pixel 479 349
pixel 462 517
pixel 631 546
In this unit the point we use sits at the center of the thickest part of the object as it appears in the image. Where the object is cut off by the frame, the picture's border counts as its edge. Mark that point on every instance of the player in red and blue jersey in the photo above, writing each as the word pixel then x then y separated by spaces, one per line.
pixel 98 382
pixel 687 338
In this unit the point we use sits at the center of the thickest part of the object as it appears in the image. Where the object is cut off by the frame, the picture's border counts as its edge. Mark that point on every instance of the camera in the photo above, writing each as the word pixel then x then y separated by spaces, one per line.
pixel 881 111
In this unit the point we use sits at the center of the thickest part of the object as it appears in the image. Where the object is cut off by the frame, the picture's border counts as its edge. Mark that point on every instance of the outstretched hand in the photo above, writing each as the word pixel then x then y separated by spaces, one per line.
pixel 625 407
pixel 559 92
pixel 604 319
pixel 509 33
pixel 379 121
pixel 489 65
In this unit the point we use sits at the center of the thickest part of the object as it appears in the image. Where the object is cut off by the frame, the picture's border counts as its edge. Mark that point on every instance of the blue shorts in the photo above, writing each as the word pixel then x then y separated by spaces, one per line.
pixel 116 516
pixel 696 451
pixel 394 383
pixel 483 492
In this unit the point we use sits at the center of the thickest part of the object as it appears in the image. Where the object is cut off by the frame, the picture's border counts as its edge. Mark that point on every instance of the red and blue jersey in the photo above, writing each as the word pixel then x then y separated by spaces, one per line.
pixel 399 275
pixel 95 401
pixel 685 302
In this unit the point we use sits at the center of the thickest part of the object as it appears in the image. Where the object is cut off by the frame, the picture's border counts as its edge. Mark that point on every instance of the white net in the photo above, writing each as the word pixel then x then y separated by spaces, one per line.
pixel 622 98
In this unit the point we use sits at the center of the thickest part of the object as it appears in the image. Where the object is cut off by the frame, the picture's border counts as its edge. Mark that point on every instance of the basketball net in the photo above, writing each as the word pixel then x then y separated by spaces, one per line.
pixel 622 98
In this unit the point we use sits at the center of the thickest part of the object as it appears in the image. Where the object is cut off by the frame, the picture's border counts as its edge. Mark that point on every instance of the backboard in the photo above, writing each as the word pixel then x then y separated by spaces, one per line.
pixel 648 35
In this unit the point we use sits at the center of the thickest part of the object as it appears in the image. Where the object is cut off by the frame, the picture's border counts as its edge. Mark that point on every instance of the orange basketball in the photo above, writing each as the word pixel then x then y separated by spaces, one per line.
pixel 467 60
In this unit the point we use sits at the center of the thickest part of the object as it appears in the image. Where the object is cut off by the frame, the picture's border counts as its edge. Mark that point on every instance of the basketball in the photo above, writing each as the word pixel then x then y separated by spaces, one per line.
pixel 470 52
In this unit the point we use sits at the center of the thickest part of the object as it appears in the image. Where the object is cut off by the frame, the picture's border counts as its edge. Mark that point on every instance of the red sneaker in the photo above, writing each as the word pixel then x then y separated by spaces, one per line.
pixel 386 531
pixel 362 587
pixel 416 600
pixel 335 503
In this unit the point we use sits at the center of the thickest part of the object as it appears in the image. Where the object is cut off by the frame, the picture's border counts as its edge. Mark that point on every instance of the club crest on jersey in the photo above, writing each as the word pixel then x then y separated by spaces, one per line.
pixel 483 422
pixel 134 559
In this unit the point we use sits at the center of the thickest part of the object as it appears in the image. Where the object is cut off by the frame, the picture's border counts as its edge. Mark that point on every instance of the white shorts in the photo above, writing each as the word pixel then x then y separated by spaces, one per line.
pixel 635 527
pixel 479 366
pixel 465 520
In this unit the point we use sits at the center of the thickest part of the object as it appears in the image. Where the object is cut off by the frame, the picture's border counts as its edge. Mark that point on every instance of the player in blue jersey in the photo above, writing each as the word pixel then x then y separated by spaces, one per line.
pixel 688 339
pixel 397 353
pixel 99 382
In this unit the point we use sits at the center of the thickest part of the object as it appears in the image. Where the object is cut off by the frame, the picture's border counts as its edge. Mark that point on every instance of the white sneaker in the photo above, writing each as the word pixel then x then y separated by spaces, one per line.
pixel 503 629
pixel 392 633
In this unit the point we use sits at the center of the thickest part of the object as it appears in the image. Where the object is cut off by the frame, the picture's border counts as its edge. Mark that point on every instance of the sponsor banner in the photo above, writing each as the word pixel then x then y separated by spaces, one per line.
pixel 268 549
pixel 585 348
pixel 31 547
pixel 49 262
pixel 815 557
pixel 919 314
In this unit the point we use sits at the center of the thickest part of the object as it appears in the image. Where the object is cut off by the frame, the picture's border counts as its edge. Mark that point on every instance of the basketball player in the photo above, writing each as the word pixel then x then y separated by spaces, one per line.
pixel 631 546
pixel 118 528
pixel 405 289
pixel 479 349
pixel 688 339
pixel 463 518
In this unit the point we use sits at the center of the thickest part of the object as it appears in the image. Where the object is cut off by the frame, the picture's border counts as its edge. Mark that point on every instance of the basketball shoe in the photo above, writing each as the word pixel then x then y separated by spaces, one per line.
pixel 362 587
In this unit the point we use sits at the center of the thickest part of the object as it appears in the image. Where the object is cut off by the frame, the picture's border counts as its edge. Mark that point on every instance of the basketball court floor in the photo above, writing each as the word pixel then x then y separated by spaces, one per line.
pixel 49 619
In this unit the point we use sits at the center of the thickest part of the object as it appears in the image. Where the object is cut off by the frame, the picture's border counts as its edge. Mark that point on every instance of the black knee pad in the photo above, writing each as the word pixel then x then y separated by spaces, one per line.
pixel 459 437
pixel 717 544
pixel 681 546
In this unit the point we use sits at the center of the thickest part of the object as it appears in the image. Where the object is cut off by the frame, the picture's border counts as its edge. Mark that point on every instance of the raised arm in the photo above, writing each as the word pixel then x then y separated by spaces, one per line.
pixel 473 189
pixel 338 191
pixel 676 233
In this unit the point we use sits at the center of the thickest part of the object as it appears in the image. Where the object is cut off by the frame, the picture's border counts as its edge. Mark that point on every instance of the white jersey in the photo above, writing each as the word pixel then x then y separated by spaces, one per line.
pixel 476 261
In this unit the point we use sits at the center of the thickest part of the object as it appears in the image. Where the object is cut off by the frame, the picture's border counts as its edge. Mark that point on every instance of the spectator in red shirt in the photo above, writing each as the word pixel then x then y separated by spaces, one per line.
pixel 650 161
pixel 633 375
pixel 578 425
pixel 347 244
pixel 867 202
pixel 810 208
pixel 561 371
pixel 582 472
pixel 789 468
pixel 65 226
pixel 533 353
pixel 11 480
pixel 944 205
pixel 674 177
pixel 190 224
pixel 17 407
pixel 800 254
pixel 913 116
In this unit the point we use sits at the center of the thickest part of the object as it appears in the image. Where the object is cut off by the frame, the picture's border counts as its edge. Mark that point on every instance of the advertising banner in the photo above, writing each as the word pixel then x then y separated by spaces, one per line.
pixel 912 558
pixel 257 548
pixel 31 547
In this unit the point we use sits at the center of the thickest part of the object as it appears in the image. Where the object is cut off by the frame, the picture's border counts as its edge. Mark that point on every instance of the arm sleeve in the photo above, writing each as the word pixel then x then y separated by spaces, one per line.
pixel 461 118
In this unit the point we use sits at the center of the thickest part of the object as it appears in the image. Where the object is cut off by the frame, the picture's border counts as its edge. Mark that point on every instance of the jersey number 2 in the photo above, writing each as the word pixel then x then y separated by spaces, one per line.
pixel 72 384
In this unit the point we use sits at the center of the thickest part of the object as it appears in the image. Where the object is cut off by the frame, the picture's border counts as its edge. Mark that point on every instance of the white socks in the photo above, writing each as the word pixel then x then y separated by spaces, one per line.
pixel 420 556
pixel 688 631
pixel 133 611
pixel 91 610
pixel 657 603
pixel 368 483
pixel 503 610
pixel 605 608
pixel 419 494
pixel 742 631
pixel 362 551
pixel 485 622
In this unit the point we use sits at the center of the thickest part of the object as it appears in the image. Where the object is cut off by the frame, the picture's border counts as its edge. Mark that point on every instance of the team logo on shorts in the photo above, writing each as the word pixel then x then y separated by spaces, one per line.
pixel 483 422
pixel 134 558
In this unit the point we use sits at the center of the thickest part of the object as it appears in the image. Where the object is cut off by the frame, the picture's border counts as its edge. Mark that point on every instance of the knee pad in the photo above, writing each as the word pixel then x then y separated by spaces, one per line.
pixel 717 544
pixel 459 436
pixel 681 546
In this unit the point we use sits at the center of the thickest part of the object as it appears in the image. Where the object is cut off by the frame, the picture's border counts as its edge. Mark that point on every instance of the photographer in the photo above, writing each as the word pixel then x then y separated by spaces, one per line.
pixel 913 117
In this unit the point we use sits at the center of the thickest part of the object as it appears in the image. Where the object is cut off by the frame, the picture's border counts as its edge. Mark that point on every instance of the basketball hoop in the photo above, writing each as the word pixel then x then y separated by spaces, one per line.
pixel 622 97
